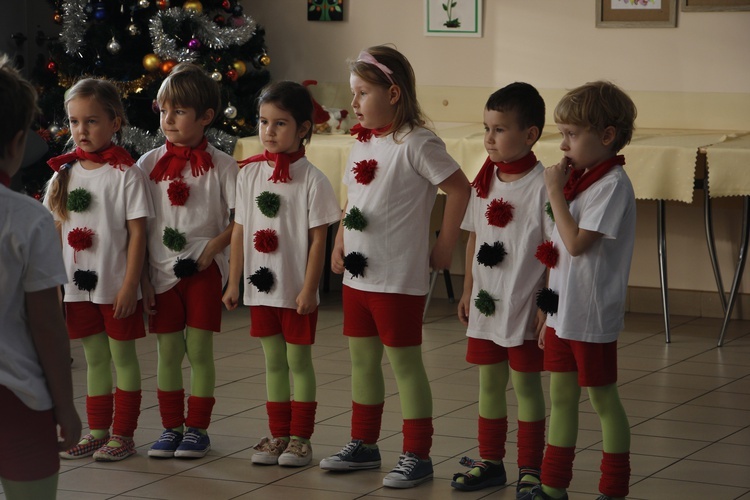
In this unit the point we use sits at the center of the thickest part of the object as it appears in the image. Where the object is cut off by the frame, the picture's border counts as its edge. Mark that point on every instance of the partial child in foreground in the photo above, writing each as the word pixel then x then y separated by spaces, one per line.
pixel 508 227
pixel 286 204
pixel 594 207
pixel 36 388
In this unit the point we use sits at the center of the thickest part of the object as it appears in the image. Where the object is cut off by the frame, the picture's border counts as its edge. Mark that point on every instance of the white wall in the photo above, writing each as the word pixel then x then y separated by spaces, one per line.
pixel 551 44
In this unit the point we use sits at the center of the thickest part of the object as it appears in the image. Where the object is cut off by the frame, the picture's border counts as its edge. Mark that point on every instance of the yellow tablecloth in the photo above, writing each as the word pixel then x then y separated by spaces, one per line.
pixel 728 166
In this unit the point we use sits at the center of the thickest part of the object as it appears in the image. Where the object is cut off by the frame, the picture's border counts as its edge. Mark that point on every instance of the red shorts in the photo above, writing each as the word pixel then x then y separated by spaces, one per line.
pixel 194 301
pixel 84 319
pixel 596 364
pixel 394 317
pixel 29 451
pixel 297 329
pixel 526 357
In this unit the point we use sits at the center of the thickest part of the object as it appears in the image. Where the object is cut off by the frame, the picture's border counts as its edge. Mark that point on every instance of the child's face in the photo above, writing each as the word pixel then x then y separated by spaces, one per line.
pixel 374 105
pixel 504 140
pixel 90 125
pixel 585 147
pixel 181 126
pixel 278 130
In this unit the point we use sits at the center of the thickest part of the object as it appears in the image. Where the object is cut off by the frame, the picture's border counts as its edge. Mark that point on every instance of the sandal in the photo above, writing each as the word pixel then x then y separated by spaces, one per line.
pixel 491 475
pixel 527 484
pixel 537 493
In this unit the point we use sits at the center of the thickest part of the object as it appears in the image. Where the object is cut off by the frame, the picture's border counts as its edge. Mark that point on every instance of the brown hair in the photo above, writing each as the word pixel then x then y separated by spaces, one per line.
pixel 293 98
pixel 598 105
pixel 408 111
pixel 18 102
pixel 107 95
pixel 189 86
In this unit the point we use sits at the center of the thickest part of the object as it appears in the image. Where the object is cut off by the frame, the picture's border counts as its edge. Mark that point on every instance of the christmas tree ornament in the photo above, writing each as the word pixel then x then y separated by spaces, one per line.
pixel 162 4
pixel 219 19
pixel 151 62
pixel 240 67
pixel 226 5
pixel 57 17
pixel 88 9
pixel 231 75
pixel 113 47
pixel 144 4
pixel 133 29
pixel 264 60
pixel 193 5
pixel 237 21
pixel 230 112
pixel 98 63
pixel 237 10
pixel 194 44
pixel 166 66
pixel 216 76
pixel 52 67
pixel 100 12
pixel 53 130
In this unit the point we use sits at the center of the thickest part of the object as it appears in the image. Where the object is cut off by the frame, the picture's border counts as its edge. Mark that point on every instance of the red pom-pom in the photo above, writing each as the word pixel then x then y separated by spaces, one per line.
pixel 547 254
pixel 265 240
pixel 80 238
pixel 499 213
pixel 178 192
pixel 364 171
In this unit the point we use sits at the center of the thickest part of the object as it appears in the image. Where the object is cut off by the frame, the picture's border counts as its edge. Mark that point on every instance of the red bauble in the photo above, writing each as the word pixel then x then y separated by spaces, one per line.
pixel 166 66
pixel 364 171
pixel 265 240
pixel 499 213
pixel 231 75
pixel 547 254
pixel 52 67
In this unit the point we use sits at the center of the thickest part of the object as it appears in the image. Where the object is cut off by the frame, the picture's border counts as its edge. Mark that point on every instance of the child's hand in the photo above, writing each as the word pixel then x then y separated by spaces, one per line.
pixel 207 256
pixel 539 322
pixel 70 427
pixel 149 297
pixel 125 302
pixel 464 306
pixel 231 297
pixel 337 258
pixel 306 302
pixel 441 256
pixel 557 175
pixel 540 340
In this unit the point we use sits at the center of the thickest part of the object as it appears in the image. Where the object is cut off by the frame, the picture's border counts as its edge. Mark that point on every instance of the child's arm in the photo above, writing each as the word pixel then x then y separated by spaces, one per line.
pixel 458 192
pixel 576 240
pixel 231 296
pixel 47 328
pixel 337 253
pixel 127 297
pixel 541 317
pixel 464 305
pixel 216 244
pixel 147 289
pixel 307 298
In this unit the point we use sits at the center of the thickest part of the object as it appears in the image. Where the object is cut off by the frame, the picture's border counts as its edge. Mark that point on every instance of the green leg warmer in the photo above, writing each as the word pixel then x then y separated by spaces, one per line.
pixel 565 394
pixel 493 379
pixel 126 363
pixel 368 386
pixel 200 353
pixel 614 421
pixel 99 364
pixel 530 395
pixel 278 389
pixel 171 347
pixel 42 489
pixel 411 378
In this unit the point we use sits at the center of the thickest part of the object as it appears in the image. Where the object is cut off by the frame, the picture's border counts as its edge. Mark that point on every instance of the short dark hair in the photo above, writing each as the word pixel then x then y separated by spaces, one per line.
pixel 190 86
pixel 18 102
pixel 293 98
pixel 523 100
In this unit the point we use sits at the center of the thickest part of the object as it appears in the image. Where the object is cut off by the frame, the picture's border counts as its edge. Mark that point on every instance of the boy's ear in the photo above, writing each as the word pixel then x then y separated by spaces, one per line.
pixel 304 128
pixel 608 135
pixel 207 117
pixel 532 135
pixel 118 123
pixel 394 94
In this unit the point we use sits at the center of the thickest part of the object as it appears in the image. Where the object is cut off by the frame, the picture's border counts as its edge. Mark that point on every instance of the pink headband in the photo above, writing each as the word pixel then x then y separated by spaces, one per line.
pixel 368 58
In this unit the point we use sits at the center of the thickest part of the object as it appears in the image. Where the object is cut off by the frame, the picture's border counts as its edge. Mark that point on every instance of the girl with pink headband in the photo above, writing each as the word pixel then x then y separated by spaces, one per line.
pixel 382 247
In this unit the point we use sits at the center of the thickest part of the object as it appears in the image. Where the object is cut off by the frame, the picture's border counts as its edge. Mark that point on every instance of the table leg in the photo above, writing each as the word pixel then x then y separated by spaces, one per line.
pixel 711 241
pixel 661 238
pixel 740 268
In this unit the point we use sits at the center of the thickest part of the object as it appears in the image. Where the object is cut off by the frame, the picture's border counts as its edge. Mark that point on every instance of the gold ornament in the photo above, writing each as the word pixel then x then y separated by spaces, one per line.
pixel 58 17
pixel 265 60
pixel 193 5
pixel 240 67
pixel 151 62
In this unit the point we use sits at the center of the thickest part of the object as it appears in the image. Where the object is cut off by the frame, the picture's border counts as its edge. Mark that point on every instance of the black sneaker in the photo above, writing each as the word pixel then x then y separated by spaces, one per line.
pixel 353 456
pixel 409 472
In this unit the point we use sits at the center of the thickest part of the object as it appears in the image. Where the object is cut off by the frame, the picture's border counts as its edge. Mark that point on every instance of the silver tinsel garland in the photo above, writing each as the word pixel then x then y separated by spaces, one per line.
pixel 206 30
pixel 142 141
pixel 74 25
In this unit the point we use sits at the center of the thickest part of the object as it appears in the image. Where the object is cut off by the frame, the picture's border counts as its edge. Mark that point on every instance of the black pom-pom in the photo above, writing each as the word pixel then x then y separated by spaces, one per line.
pixel 355 263
pixel 546 300
pixel 184 268
pixel 262 279
pixel 491 255
pixel 85 280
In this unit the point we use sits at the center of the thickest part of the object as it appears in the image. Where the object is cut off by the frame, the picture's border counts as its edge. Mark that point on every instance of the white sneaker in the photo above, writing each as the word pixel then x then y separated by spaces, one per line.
pixel 297 454
pixel 269 450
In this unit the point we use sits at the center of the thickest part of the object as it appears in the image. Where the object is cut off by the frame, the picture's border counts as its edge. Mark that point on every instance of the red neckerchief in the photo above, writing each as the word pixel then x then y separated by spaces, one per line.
pixel 482 181
pixel 363 134
pixel 281 163
pixel 112 154
pixel 580 179
pixel 4 179
pixel 171 164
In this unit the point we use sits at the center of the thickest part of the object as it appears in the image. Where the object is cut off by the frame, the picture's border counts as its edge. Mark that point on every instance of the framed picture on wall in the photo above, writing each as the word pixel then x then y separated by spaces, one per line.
pixel 714 5
pixel 636 13
pixel 325 10
pixel 453 18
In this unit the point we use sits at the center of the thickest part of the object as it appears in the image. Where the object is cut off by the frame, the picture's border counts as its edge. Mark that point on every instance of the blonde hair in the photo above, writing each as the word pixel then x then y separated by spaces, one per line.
pixel 408 111
pixel 18 102
pixel 189 85
pixel 107 95
pixel 598 105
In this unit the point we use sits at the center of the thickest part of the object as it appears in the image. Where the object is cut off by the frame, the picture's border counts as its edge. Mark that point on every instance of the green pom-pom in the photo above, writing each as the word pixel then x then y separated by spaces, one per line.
pixel 268 203
pixel 173 239
pixel 355 220
pixel 78 200
pixel 485 303
pixel 548 209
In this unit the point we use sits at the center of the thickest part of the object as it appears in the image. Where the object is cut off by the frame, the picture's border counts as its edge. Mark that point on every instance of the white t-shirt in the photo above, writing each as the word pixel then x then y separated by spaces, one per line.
pixel 514 281
pixel 204 215
pixel 307 201
pixel 397 205
pixel 31 262
pixel 592 287
pixel 117 196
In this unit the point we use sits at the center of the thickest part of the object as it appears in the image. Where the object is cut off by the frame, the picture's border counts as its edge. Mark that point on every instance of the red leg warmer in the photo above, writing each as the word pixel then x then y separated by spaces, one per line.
pixel 366 422
pixel 199 412
pixel 418 436
pixel 492 435
pixel 171 408
pixel 127 410
pixel 303 419
pixel 279 418
pixel 615 474
pixel 557 469
pixel 530 444
pixel 99 411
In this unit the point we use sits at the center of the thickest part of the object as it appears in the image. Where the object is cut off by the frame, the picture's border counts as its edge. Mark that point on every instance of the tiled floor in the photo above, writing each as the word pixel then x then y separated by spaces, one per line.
pixel 688 403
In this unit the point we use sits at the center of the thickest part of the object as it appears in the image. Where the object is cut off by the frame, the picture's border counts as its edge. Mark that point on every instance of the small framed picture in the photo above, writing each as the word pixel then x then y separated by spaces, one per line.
pixel 453 18
pixel 325 10
pixel 636 13
pixel 714 5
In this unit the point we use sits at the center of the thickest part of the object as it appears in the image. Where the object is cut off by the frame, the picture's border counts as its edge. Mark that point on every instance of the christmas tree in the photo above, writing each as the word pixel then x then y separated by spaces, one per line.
pixel 135 44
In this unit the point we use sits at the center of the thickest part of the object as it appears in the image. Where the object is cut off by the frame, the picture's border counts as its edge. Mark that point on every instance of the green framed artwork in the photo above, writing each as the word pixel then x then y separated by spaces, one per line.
pixel 453 18
pixel 325 10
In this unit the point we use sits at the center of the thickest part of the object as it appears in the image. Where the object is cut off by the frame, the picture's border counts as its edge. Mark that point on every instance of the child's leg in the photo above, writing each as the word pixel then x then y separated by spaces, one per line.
pixel 128 392
pixel 41 489
pixel 531 422
pixel 99 401
pixel 200 352
pixel 304 404
pixel 616 440
pixel 278 390
pixel 368 388
pixel 416 398
pixel 171 349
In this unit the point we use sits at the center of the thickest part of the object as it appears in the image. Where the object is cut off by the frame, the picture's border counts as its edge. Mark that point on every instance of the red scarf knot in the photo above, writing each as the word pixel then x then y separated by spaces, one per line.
pixel 580 180
pixel 483 179
pixel 174 160
pixel 281 162
pixel 364 134
pixel 116 156
pixel 4 179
